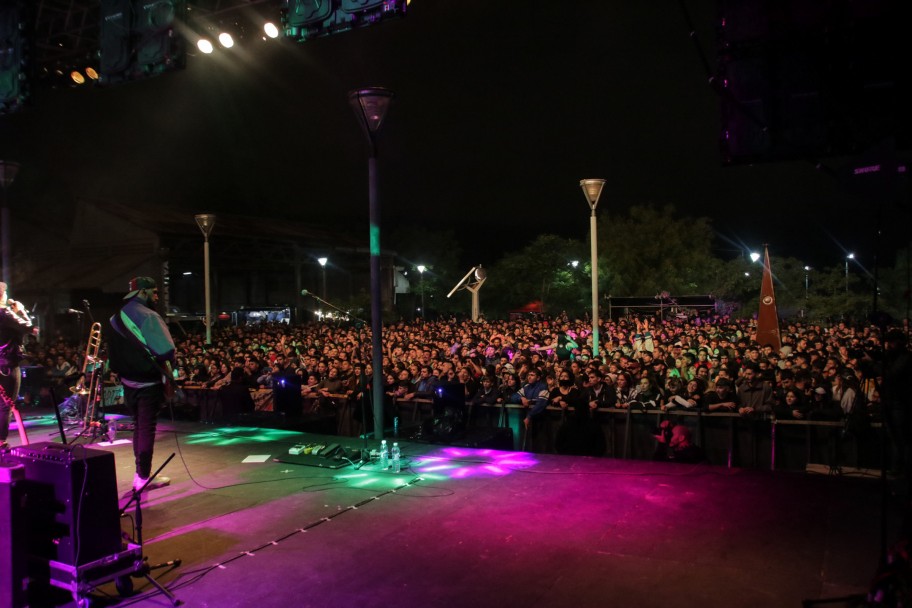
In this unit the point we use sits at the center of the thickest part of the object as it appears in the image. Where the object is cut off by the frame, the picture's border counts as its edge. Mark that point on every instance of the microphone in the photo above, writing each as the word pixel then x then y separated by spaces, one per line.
pixel 86 303
pixel 73 311
pixel 304 292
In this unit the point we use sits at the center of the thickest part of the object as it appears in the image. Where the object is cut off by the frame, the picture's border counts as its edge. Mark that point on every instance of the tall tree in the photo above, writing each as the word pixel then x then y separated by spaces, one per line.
pixel 650 250
pixel 543 271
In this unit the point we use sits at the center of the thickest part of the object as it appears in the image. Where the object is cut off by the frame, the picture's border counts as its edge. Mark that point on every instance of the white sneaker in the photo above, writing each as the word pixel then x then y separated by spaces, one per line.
pixel 159 481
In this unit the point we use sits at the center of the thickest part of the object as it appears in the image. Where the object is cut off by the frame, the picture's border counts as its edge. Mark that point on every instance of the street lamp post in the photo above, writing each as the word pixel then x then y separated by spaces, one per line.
pixel 851 256
pixel 421 269
pixel 807 270
pixel 592 189
pixel 370 106
pixel 322 262
pixel 206 222
pixel 8 171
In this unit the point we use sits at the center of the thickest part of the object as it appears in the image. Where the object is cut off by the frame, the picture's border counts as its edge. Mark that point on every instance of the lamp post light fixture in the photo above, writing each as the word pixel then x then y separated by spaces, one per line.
pixel 370 106
pixel 592 190
pixel 421 268
pixel 851 256
pixel 8 172
pixel 206 222
pixel 754 256
pixel 322 262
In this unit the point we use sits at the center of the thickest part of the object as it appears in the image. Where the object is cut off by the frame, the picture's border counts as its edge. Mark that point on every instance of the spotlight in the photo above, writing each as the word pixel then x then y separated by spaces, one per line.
pixel 77 77
pixel 271 30
pixel 205 45
pixel 91 73
pixel 226 40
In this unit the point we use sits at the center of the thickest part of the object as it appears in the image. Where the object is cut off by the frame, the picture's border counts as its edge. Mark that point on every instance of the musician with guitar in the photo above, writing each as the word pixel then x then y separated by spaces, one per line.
pixel 141 351
pixel 15 324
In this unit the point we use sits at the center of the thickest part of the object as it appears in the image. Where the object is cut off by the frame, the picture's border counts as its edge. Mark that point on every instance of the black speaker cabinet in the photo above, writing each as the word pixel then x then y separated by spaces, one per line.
pixel 71 509
pixel 13 570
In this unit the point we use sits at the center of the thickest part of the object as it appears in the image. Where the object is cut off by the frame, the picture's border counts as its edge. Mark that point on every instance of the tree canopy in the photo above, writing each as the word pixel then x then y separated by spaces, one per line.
pixel 644 252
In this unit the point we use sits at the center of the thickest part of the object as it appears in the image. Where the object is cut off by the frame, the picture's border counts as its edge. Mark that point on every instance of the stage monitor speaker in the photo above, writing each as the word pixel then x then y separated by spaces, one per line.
pixel 72 516
pixel 13 570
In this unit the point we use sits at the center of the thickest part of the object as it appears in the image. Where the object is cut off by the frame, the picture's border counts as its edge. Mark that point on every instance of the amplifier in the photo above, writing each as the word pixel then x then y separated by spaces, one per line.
pixel 54 452
pixel 71 511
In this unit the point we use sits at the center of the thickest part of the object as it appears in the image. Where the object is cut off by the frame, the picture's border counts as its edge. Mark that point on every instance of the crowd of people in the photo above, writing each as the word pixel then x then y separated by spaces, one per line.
pixel 713 364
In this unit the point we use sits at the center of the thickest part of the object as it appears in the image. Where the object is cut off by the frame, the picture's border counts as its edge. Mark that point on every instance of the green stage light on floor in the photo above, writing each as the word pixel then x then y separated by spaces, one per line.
pixel 433 477
pixel 225 436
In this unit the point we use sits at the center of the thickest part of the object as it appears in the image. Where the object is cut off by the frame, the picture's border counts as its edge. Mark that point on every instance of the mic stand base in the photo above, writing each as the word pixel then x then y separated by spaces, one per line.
pixel 143 568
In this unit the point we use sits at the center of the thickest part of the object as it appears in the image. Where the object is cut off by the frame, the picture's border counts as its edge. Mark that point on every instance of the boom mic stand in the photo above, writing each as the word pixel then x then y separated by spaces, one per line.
pixel 364 397
pixel 143 568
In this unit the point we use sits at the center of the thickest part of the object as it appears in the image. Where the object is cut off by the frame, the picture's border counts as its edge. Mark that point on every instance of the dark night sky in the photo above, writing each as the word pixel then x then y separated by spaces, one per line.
pixel 501 108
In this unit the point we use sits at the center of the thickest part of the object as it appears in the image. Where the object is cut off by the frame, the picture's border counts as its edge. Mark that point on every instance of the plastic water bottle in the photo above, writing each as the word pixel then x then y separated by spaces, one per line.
pixel 384 456
pixel 396 426
pixel 397 463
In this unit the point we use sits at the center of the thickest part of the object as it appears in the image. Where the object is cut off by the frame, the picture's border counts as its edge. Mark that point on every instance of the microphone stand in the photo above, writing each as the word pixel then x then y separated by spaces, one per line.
pixel 53 393
pixel 364 450
pixel 88 309
pixel 143 568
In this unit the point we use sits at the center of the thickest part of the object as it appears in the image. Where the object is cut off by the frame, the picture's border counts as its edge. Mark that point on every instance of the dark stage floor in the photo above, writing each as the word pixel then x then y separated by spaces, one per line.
pixel 464 527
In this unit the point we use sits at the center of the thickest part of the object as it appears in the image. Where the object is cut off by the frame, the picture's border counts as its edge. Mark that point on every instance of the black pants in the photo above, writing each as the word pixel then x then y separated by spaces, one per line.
pixel 144 404
pixel 9 380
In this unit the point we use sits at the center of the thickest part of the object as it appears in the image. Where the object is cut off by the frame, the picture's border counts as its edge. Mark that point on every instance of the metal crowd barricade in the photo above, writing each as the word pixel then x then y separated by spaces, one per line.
pixel 836 440
pixel 208 404
pixel 721 444
pixel 204 399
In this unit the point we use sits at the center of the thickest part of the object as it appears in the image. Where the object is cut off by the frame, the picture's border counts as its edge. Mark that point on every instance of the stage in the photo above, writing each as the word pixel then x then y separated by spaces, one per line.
pixel 480 528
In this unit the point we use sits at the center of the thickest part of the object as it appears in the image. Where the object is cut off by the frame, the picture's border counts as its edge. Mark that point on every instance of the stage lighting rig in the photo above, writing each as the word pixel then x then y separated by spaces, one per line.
pixel 14 56
pixel 139 38
pixel 306 19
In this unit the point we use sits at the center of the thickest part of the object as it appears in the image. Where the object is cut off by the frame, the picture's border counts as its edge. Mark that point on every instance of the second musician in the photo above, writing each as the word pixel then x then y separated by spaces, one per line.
pixel 15 324
pixel 140 348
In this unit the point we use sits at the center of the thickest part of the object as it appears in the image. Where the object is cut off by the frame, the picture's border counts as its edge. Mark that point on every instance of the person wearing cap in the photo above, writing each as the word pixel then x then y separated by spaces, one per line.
pixel 141 351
